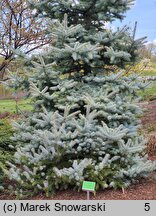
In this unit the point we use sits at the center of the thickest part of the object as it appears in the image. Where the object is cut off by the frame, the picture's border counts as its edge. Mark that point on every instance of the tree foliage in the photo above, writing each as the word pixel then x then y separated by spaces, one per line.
pixel 85 120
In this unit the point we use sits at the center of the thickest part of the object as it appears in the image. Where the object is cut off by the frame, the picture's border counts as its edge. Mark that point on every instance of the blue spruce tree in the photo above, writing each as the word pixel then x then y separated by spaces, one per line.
pixel 84 125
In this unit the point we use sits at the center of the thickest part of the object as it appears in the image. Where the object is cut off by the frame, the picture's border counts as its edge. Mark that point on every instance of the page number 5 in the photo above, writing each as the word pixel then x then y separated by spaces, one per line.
pixel 147 207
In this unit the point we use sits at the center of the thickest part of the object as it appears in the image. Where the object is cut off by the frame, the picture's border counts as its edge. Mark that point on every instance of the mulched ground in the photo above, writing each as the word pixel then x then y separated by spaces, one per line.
pixel 145 190
pixel 150 114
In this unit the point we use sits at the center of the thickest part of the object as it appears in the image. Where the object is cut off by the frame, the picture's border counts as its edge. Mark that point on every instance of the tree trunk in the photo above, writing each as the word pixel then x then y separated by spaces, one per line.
pixel 3 67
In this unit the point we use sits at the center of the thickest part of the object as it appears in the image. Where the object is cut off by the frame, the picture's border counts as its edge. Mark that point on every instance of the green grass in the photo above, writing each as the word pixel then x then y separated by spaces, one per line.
pixel 149 73
pixel 9 105
pixel 153 64
pixel 149 92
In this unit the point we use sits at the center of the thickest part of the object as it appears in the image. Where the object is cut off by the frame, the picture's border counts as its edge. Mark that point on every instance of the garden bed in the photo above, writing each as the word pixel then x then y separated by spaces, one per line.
pixel 145 190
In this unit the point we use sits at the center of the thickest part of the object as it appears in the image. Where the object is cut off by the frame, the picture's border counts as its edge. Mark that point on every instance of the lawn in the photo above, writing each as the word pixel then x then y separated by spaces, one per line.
pixel 149 73
pixel 9 105
pixel 149 91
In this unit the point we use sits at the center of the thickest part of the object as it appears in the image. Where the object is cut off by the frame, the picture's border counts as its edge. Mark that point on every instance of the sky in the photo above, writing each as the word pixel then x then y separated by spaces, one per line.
pixel 144 12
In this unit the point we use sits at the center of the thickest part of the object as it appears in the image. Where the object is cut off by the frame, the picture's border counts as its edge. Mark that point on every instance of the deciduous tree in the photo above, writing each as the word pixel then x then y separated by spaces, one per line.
pixel 18 30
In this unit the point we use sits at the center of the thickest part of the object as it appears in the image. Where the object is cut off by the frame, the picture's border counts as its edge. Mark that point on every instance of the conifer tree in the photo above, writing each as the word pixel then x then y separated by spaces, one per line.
pixel 84 125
